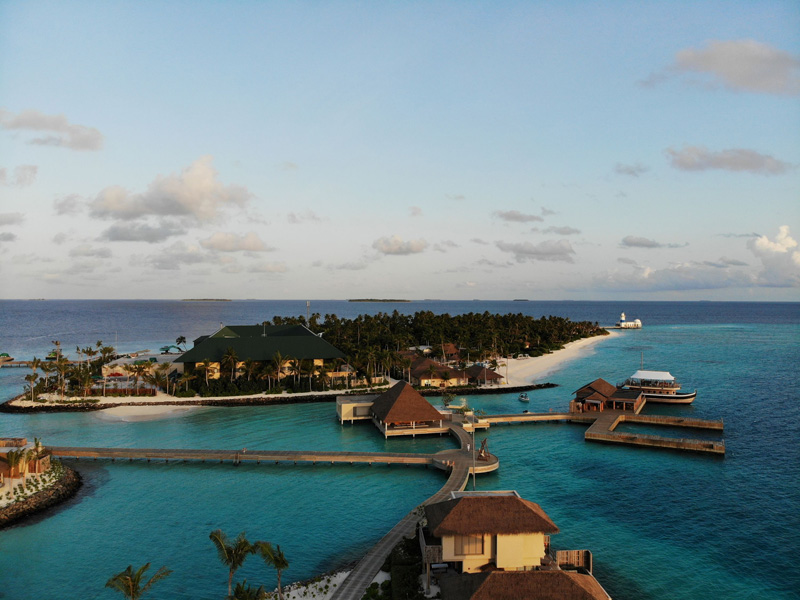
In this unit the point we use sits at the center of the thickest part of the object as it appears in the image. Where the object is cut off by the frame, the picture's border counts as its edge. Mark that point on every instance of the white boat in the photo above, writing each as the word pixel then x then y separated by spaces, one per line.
pixel 659 387
pixel 523 397
pixel 623 324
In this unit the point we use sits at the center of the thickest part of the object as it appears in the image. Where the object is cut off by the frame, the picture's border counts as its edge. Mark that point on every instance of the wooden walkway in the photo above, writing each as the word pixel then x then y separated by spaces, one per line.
pixel 602 426
pixel 458 462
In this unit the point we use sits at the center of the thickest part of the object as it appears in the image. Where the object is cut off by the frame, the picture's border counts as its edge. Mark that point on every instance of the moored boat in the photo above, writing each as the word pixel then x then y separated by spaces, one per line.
pixel 523 397
pixel 659 387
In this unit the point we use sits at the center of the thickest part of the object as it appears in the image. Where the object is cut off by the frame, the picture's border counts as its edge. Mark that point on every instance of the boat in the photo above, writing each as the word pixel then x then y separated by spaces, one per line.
pixel 659 387
pixel 523 397
pixel 4 357
pixel 52 355
pixel 623 324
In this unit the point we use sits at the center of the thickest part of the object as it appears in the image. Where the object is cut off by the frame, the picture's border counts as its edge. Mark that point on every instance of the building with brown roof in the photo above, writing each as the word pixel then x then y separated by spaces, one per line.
pixel 600 395
pixel 401 410
pixel 530 585
pixel 478 375
pixel 429 373
pixel 497 530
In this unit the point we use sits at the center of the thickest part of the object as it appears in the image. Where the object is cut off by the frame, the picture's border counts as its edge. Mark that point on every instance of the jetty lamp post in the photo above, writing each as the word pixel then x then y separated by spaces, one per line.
pixel 473 452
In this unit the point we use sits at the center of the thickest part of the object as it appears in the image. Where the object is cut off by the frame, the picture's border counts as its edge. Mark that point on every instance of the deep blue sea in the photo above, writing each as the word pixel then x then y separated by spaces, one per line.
pixel 661 524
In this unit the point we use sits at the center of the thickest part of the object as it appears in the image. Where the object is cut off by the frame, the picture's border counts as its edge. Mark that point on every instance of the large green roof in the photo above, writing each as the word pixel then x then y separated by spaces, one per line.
pixel 260 343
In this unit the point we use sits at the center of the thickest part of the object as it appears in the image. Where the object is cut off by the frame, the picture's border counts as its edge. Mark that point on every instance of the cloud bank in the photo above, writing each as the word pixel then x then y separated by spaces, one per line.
pixel 56 129
pixel 698 158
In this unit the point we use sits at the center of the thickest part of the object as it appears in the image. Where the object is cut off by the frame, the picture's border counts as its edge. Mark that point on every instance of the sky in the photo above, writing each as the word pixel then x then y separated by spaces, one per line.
pixel 452 150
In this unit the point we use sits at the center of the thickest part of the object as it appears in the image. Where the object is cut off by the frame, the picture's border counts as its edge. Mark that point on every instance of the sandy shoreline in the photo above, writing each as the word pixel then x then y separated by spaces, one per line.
pixel 519 372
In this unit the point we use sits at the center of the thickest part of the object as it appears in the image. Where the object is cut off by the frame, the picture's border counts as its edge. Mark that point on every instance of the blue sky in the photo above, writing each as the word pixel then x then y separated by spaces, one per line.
pixel 456 150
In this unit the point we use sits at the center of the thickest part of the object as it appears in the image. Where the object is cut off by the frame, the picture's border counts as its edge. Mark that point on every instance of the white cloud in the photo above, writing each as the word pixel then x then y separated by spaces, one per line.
pixel 780 259
pixel 415 211
pixel 268 267
pixel 632 241
pixel 549 251
pixel 514 216
pixel 445 246
pixel 562 230
pixel 740 65
pixel 179 253
pixel 304 217
pixel 479 241
pixel 231 242
pixel 394 245
pixel 24 175
pixel 7 236
pixel 546 212
pixel 11 218
pixel 350 266
pixel 195 194
pixel 141 232
pixel 88 251
pixel 59 131
pixel 683 276
pixel 633 170
pixel 698 158
pixel 68 205
pixel 455 196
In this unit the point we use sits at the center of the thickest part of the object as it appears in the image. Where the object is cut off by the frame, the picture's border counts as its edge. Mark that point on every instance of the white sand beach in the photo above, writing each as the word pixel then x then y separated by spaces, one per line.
pixel 525 371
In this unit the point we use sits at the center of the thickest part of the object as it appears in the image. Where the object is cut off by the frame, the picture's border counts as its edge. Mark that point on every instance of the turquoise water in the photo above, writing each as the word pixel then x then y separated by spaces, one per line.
pixel 660 524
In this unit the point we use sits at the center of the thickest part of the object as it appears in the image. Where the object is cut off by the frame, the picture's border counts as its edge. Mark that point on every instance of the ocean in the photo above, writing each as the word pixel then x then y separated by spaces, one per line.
pixel 660 524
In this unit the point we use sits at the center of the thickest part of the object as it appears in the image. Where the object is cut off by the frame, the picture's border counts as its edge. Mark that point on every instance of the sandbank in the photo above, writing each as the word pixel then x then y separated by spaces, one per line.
pixel 130 414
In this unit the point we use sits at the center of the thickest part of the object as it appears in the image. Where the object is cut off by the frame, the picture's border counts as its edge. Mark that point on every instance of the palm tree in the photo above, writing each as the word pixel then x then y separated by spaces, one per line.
pixel 206 368
pixel 278 361
pixel 274 558
pixel 186 378
pixel 13 459
pixel 242 591
pixel 129 582
pixel 163 370
pixel 230 359
pixel 295 369
pixel 31 379
pixel 47 368
pixel 63 367
pixel 233 554
pixel 181 341
pixel 308 368
pixel 324 376
pixel 249 366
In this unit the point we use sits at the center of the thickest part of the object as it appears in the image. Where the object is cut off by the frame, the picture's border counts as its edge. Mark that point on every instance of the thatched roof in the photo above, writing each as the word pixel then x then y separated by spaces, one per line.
pixel 481 373
pixel 598 385
pixel 403 404
pixel 420 369
pixel 522 585
pixel 471 515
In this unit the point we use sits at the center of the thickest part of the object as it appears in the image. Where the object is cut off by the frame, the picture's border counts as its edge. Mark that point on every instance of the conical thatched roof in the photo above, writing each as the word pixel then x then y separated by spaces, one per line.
pixel 403 404
pixel 519 585
pixel 472 515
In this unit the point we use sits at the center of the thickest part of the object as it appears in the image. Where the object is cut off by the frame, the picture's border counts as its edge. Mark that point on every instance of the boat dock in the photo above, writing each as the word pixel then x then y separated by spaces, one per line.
pixel 602 427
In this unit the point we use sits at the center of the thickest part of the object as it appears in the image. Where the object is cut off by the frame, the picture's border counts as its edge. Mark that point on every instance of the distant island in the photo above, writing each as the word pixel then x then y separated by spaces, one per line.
pixel 206 300
pixel 521 300
pixel 377 300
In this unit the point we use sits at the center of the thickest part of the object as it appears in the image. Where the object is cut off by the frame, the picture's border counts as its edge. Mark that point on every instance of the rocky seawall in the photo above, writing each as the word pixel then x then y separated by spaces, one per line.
pixel 64 489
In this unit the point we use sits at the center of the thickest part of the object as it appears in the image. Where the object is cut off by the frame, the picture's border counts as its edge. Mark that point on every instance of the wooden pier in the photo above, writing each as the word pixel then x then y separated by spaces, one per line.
pixel 602 426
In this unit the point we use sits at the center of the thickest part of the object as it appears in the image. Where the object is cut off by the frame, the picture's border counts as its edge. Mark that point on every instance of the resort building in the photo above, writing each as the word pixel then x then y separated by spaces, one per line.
pixel 600 395
pixel 261 344
pixel 29 459
pixel 496 545
pixel 499 530
pixel 478 375
pixel 429 373
pixel 401 410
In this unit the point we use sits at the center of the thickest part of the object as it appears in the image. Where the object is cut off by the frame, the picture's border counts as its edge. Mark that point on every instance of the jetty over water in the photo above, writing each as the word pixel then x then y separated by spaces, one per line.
pixel 602 427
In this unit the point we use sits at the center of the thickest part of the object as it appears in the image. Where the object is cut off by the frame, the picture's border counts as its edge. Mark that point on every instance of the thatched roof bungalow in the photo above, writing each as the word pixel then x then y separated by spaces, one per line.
pixel 600 395
pixel 401 410
pixel 478 375
pixel 499 530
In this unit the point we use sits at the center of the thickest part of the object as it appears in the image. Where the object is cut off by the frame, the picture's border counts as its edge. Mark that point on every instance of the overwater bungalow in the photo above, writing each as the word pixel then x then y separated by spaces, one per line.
pixel 600 395
pixel 496 545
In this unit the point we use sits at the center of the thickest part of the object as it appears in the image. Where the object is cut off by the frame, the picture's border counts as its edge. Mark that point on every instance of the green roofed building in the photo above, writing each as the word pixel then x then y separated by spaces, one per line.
pixel 261 344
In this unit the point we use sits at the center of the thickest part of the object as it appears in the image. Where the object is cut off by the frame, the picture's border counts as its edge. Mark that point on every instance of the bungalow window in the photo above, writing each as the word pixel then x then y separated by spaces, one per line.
pixel 469 544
